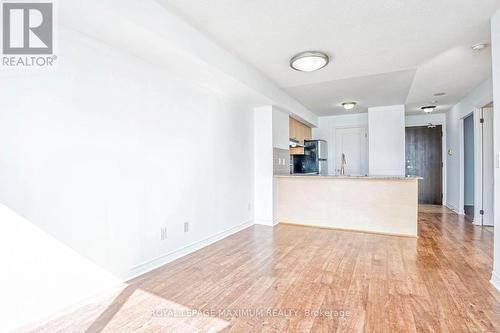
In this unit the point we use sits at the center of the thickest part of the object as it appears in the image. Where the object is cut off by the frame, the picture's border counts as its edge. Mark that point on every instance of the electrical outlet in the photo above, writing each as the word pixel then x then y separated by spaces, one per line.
pixel 186 226
pixel 163 234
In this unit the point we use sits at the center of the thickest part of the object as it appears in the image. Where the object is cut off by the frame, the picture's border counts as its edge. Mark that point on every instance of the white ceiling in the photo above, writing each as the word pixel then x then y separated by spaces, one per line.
pixel 325 98
pixel 383 51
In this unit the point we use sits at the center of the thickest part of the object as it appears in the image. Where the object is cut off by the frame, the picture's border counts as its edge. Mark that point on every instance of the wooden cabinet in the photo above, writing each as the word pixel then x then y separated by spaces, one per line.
pixel 306 132
pixel 299 132
pixel 293 128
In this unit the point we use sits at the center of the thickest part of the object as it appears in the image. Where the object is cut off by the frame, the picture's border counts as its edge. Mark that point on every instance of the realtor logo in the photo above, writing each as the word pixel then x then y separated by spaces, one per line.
pixel 27 28
pixel 28 34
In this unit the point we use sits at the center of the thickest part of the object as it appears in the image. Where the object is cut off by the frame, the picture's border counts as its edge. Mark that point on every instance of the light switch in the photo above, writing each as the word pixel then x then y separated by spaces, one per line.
pixel 497 161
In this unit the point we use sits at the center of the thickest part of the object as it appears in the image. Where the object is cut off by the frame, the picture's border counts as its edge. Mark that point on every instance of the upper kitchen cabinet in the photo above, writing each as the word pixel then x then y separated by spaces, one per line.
pixel 299 132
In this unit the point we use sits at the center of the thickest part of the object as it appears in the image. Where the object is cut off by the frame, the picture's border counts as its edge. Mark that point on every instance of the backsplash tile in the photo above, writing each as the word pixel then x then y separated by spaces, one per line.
pixel 281 161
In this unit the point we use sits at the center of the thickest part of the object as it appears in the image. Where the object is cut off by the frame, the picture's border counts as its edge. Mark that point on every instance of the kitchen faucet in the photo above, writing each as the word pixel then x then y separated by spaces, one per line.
pixel 343 165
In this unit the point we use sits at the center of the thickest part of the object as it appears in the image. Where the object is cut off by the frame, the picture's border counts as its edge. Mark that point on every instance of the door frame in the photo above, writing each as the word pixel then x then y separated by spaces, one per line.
pixel 482 180
pixel 478 166
pixel 441 123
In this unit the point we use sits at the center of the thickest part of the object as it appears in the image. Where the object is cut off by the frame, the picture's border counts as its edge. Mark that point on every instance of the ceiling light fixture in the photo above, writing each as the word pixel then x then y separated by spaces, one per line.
pixel 439 94
pixel 428 109
pixel 309 61
pixel 479 46
pixel 349 105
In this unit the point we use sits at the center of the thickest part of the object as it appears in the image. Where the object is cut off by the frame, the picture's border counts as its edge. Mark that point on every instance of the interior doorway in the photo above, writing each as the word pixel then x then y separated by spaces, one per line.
pixel 483 167
pixel 424 158
pixel 353 143
pixel 469 166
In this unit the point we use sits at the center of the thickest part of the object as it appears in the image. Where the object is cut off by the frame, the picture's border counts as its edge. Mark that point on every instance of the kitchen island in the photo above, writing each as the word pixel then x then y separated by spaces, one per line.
pixel 375 204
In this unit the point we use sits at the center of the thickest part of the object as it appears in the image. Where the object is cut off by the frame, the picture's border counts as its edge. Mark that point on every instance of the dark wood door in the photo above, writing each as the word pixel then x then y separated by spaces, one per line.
pixel 424 154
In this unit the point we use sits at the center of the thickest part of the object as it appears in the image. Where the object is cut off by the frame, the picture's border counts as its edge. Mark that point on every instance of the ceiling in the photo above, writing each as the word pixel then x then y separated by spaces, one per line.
pixel 382 52
pixel 325 98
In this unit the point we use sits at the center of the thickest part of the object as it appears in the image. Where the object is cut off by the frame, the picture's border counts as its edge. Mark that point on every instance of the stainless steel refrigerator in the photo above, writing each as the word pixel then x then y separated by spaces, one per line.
pixel 314 160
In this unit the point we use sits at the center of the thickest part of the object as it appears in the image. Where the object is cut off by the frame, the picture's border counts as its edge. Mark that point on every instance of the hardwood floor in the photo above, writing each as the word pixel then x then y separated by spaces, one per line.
pixel 369 283
pixel 434 209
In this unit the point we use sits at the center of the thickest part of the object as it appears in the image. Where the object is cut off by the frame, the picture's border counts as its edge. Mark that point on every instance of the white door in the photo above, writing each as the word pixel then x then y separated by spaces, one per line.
pixel 488 166
pixel 353 142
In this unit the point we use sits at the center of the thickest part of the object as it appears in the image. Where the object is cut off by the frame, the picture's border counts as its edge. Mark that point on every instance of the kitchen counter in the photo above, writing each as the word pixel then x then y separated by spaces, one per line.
pixel 374 204
pixel 299 175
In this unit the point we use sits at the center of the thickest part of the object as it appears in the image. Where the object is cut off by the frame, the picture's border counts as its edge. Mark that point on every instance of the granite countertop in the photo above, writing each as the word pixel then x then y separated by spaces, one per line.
pixel 387 177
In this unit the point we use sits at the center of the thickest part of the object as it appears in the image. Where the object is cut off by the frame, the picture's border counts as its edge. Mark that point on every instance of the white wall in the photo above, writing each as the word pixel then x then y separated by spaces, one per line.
pixel 263 167
pixel 106 149
pixel 425 119
pixel 281 129
pixel 140 126
pixel 386 128
pixel 270 131
pixel 495 44
pixel 477 98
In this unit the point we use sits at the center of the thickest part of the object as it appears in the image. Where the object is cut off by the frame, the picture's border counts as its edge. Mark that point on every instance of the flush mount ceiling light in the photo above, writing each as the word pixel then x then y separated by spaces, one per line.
pixel 309 61
pixel 479 46
pixel 349 105
pixel 428 109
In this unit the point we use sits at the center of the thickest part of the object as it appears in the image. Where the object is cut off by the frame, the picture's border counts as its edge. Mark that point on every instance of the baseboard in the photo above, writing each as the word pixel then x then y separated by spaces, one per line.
pixel 268 223
pixel 450 206
pixel 135 272
pixel 159 261
pixel 350 230
pixel 495 280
